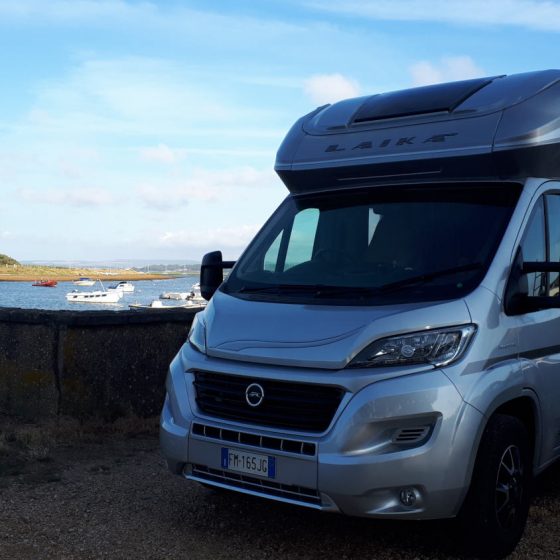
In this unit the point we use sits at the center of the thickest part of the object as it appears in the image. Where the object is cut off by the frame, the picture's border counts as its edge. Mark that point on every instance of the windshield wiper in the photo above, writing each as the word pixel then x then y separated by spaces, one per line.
pixel 325 290
pixel 316 290
pixel 282 288
pixel 427 277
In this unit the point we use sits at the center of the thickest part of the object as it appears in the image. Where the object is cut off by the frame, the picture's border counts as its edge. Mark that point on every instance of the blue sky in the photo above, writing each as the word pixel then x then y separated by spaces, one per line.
pixel 148 129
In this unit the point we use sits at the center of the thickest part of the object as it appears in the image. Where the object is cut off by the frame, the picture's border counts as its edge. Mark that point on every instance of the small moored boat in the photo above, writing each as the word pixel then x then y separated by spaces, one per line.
pixel 84 282
pixel 94 297
pixel 157 304
pixel 45 283
pixel 123 287
pixel 97 296
pixel 176 295
pixel 193 296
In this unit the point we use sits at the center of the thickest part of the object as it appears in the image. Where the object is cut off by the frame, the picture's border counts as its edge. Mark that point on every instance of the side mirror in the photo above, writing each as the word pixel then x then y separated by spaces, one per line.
pixel 517 299
pixel 212 273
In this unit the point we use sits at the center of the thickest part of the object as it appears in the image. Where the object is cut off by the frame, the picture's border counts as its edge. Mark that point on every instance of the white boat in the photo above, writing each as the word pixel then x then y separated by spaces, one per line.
pixel 157 304
pixel 94 297
pixel 84 282
pixel 176 295
pixel 194 295
pixel 123 287
pixel 97 296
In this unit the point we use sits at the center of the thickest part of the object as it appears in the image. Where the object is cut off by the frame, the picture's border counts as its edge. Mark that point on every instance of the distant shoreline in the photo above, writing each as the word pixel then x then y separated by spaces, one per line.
pixel 27 273
pixel 107 279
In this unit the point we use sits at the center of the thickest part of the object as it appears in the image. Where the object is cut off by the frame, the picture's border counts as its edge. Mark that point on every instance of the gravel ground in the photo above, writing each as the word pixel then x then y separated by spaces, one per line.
pixel 115 499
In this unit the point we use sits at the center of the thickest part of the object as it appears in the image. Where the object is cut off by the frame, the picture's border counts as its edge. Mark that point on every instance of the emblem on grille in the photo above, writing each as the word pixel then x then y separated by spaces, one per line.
pixel 254 394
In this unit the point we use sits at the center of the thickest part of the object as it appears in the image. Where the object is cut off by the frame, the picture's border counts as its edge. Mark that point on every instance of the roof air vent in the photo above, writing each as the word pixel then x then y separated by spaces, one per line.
pixel 418 101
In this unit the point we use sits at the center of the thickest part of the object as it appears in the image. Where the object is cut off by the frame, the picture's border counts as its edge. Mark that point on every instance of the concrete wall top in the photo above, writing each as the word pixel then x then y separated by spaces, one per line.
pixel 87 363
pixel 95 318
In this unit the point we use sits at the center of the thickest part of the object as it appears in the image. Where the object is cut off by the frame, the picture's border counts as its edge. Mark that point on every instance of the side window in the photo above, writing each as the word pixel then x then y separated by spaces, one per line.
pixel 534 249
pixel 302 237
pixel 373 221
pixel 271 257
pixel 553 220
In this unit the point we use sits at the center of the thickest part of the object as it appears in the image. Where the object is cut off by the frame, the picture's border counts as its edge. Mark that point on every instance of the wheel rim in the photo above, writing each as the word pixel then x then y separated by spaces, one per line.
pixel 509 487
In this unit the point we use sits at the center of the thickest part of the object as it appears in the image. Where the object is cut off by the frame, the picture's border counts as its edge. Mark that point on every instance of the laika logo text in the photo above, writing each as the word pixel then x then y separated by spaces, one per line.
pixel 385 143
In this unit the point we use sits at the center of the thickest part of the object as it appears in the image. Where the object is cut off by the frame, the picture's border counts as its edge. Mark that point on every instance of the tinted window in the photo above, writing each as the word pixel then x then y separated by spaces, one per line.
pixel 553 220
pixel 271 257
pixel 377 245
pixel 302 238
pixel 534 249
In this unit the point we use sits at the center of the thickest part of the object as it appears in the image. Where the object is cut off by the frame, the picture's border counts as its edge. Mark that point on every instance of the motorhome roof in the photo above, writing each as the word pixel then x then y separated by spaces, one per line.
pixel 417 101
pixel 502 127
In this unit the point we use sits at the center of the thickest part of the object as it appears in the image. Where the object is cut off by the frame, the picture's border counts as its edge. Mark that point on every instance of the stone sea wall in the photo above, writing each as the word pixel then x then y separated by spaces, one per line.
pixel 85 364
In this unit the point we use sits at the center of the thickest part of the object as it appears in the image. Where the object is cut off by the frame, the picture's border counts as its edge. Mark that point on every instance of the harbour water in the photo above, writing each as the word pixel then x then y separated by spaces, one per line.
pixel 23 294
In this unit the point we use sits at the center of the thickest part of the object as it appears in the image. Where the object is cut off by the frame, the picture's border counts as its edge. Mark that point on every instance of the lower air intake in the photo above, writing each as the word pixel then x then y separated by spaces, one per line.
pixel 305 496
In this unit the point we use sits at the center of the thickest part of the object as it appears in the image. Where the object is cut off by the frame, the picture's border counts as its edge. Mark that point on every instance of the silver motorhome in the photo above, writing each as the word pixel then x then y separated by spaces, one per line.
pixel 389 343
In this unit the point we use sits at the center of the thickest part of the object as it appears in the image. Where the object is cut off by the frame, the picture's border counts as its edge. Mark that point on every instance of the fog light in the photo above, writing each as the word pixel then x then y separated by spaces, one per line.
pixel 408 497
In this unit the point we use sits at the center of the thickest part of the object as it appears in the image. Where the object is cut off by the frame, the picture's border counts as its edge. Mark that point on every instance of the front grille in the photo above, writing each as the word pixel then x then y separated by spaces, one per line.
pixel 262 486
pixel 264 442
pixel 298 406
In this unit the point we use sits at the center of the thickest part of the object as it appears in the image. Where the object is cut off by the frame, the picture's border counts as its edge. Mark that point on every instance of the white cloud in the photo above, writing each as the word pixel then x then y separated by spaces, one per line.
pixel 161 154
pixel 228 237
pixel 75 164
pixel 141 97
pixel 165 198
pixel 154 15
pixel 80 197
pixel 204 185
pixel 533 14
pixel 446 70
pixel 71 10
pixel 129 94
pixel 329 88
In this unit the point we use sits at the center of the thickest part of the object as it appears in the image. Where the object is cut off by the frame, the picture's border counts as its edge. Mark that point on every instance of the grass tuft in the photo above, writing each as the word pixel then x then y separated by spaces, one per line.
pixel 23 443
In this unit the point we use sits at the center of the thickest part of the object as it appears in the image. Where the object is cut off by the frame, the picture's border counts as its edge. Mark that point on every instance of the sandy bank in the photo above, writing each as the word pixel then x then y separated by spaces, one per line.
pixel 26 277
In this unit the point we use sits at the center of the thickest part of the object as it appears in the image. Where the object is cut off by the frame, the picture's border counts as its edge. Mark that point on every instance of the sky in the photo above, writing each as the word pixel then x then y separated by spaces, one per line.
pixel 148 129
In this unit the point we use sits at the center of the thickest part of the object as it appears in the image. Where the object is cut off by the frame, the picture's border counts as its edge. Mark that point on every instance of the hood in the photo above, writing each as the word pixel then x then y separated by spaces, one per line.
pixel 316 336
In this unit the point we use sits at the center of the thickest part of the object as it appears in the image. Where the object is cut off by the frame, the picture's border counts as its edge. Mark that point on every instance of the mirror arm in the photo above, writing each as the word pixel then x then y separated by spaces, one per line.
pixel 529 267
pixel 222 265
pixel 534 303
pixel 516 300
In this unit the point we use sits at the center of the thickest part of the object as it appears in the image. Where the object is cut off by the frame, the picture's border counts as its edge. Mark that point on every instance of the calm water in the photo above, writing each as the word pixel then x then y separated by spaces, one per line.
pixel 23 294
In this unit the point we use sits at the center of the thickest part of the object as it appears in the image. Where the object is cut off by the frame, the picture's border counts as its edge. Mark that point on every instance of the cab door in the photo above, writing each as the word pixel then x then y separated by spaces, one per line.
pixel 539 334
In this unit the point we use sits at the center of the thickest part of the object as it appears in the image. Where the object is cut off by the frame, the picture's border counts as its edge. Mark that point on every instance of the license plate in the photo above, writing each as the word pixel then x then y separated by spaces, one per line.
pixel 249 463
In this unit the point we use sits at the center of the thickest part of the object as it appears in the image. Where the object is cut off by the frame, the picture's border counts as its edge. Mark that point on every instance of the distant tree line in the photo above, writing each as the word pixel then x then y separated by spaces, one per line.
pixel 5 260
pixel 169 268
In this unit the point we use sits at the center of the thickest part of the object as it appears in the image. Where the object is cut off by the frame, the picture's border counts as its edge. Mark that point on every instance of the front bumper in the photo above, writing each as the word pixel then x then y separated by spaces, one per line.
pixel 360 466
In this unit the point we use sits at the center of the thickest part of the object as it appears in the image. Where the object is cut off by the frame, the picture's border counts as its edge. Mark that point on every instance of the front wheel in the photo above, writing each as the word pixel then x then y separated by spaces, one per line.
pixel 495 511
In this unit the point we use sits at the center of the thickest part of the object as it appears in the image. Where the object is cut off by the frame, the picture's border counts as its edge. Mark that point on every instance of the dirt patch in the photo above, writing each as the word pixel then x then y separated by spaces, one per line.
pixel 39 452
pixel 107 494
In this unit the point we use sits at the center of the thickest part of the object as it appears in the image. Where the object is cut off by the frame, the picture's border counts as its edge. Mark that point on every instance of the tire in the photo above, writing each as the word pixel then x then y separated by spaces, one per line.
pixel 494 514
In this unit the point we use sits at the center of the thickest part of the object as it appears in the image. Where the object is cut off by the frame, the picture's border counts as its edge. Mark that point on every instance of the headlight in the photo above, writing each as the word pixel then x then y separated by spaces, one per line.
pixel 197 334
pixel 437 347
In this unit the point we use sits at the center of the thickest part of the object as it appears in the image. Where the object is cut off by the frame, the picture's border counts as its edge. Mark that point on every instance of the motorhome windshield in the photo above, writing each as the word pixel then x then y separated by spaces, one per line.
pixel 376 246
